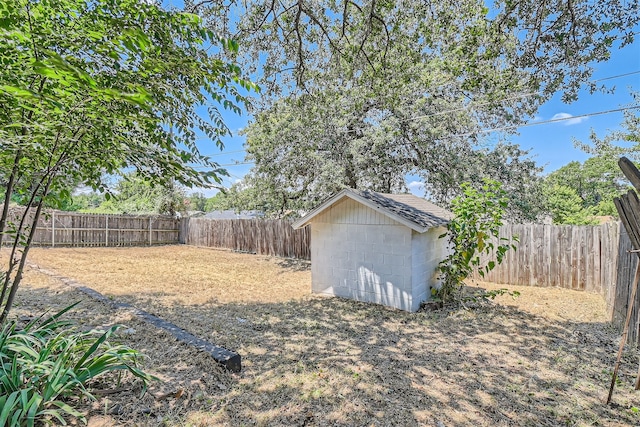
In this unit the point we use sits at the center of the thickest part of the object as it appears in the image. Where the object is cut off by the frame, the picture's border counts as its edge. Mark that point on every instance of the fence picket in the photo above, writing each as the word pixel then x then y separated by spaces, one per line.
pixel 259 236
pixel 589 258
pixel 60 229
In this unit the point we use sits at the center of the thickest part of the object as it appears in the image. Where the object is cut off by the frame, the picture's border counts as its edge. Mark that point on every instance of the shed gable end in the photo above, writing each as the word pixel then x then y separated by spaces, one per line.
pixel 349 211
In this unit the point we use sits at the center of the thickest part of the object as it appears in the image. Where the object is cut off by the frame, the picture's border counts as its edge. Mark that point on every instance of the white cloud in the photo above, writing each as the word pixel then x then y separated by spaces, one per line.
pixel 570 120
pixel 416 188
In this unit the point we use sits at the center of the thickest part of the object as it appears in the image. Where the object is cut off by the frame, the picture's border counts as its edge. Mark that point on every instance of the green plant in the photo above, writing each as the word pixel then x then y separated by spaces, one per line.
pixel 95 89
pixel 471 233
pixel 48 365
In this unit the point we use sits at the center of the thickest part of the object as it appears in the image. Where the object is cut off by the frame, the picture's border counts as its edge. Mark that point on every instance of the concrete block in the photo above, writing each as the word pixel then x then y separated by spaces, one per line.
pixel 343 292
pixel 393 236
pixel 374 257
pixel 398 281
pixel 394 259
pixel 347 263
pixel 358 256
pixel 338 254
pixel 352 276
pixel 400 270
pixel 397 249
pixel 348 245
pixel 375 235
pixel 338 273
pixel 360 239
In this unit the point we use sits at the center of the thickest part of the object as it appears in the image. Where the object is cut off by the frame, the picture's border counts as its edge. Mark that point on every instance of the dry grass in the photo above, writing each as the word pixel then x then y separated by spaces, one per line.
pixel 181 274
pixel 542 359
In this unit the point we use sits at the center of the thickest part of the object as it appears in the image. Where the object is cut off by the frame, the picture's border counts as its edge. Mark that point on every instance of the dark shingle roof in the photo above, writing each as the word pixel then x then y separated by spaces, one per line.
pixel 414 212
pixel 409 207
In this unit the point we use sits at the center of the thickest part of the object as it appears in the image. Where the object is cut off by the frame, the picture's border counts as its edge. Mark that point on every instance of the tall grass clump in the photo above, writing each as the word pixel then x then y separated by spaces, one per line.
pixel 47 366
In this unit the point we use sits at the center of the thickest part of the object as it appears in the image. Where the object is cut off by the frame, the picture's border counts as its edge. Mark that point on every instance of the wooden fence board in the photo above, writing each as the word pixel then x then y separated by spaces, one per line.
pixel 571 257
pixel 259 236
pixel 56 228
pixel 589 258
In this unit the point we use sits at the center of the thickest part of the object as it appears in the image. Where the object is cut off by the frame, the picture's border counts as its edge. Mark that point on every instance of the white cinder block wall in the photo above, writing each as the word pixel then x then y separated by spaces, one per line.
pixel 428 251
pixel 359 253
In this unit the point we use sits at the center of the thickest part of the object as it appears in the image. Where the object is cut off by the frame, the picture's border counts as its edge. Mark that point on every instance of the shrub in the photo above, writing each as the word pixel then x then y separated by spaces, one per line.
pixel 46 366
pixel 477 218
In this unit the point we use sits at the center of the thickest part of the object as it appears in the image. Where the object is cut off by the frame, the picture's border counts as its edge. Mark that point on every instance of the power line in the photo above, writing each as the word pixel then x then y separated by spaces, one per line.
pixel 537 123
pixel 224 153
pixel 618 76
pixel 466 107
pixel 483 131
pixel 225 165
pixel 544 122
pixel 524 95
pixel 238 164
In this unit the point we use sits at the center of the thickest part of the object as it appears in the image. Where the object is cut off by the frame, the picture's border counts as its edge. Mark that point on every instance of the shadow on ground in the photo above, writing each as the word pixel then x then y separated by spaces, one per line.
pixel 293 264
pixel 330 361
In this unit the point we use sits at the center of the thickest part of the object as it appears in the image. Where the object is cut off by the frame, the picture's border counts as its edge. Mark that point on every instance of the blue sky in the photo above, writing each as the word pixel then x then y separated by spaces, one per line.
pixel 551 144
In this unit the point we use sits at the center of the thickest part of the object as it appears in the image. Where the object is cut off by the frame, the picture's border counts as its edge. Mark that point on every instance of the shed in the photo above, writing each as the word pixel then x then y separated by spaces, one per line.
pixel 374 247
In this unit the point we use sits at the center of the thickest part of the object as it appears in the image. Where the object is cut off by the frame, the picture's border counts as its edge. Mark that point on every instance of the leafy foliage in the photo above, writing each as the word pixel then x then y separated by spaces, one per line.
pixel 294 42
pixel 47 365
pixel 305 152
pixel 471 235
pixel 197 202
pixel 566 206
pixel 91 89
pixel 577 192
pixel 135 195
pixel 360 93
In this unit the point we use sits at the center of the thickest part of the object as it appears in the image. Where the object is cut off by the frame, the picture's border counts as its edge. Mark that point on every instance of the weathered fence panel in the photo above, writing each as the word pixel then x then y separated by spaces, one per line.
pixel 572 257
pixel 259 236
pixel 627 263
pixel 56 228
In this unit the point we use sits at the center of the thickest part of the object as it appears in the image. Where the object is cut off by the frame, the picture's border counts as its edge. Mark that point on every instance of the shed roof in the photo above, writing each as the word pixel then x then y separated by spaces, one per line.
pixel 414 212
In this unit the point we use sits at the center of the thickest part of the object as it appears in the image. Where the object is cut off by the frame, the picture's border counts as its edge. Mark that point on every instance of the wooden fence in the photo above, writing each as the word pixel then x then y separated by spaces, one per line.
pixel 58 228
pixel 589 258
pixel 627 263
pixel 258 236
pixel 565 256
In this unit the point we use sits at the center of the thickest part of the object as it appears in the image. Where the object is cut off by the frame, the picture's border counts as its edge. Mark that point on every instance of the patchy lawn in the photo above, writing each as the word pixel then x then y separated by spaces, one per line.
pixel 542 359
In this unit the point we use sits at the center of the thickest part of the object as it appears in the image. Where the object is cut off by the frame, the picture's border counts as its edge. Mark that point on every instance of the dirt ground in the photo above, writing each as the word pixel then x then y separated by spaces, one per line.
pixel 543 359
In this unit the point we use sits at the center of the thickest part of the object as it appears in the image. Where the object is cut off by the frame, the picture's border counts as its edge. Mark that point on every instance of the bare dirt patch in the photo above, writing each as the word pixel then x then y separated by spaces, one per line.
pixel 542 359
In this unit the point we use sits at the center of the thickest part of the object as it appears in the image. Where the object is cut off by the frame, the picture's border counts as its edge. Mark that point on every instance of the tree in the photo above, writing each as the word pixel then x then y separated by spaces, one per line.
pixel 578 191
pixel 197 202
pixel 566 206
pixel 359 93
pixel 95 88
pixel 305 152
pixel 239 197
pixel 588 187
pixel 135 195
pixel 216 203
pixel 293 42
pixel 624 141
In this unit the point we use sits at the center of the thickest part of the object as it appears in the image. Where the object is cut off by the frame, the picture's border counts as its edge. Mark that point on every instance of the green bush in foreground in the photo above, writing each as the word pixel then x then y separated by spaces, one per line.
pixel 46 366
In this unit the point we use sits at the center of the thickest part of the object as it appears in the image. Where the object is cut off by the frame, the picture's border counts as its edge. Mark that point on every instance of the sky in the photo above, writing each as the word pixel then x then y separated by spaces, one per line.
pixel 551 145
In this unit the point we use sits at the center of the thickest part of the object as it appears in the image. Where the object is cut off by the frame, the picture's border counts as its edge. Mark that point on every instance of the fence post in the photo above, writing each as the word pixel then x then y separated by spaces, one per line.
pixel 53 229
pixel 150 234
pixel 106 230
